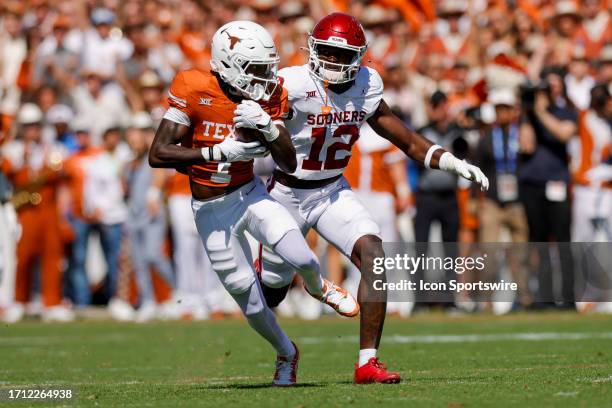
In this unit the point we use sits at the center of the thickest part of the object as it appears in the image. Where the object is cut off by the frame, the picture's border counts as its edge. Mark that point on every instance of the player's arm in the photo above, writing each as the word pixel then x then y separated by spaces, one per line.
pixel 282 150
pixel 166 151
pixel 250 114
pixel 419 148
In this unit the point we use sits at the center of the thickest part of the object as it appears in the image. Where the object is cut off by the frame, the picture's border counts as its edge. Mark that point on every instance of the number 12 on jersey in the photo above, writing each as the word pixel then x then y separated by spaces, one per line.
pixel 319 134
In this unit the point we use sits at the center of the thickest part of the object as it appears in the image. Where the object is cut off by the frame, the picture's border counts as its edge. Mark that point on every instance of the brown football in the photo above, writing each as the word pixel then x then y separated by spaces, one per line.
pixel 249 135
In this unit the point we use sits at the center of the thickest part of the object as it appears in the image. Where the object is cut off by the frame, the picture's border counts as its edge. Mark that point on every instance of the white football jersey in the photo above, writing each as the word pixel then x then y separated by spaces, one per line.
pixel 323 141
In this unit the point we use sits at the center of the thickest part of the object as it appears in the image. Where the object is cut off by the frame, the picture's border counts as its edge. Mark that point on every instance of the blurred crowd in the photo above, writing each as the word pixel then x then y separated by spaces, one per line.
pixel 519 87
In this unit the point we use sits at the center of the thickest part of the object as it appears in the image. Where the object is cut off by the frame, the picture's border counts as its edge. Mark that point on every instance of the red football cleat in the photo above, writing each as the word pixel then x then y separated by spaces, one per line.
pixel 286 370
pixel 374 372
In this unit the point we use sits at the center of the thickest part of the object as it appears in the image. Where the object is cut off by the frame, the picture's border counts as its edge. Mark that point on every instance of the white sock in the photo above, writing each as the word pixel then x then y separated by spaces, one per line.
pixel 365 355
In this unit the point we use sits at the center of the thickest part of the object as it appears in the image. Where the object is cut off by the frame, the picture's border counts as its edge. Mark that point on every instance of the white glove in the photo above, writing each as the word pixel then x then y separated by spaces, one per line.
pixel 232 150
pixel 448 162
pixel 249 114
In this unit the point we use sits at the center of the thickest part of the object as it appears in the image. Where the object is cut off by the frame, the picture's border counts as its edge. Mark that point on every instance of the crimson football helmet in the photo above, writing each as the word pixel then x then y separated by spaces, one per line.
pixel 342 31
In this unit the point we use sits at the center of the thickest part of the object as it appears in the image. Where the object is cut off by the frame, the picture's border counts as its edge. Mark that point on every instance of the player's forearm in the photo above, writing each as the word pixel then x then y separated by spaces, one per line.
pixel 283 152
pixel 411 143
pixel 173 156
pixel 165 151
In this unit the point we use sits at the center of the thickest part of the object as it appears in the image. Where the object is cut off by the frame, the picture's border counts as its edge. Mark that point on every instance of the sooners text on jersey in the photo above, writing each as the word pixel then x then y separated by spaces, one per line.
pixel 323 141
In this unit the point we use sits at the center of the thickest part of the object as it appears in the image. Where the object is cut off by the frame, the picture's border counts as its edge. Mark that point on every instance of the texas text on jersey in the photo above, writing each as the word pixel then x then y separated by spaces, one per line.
pixel 323 138
pixel 197 100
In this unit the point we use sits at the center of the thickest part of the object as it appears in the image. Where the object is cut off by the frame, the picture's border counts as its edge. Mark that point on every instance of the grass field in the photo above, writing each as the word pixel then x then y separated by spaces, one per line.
pixel 538 360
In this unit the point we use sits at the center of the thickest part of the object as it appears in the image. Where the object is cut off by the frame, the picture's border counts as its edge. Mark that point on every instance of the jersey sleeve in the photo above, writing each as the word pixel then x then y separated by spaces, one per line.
pixel 179 109
pixel 374 92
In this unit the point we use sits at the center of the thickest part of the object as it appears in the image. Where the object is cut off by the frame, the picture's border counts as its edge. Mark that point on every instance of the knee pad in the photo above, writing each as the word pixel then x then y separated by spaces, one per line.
pixel 235 280
pixel 274 296
pixel 236 283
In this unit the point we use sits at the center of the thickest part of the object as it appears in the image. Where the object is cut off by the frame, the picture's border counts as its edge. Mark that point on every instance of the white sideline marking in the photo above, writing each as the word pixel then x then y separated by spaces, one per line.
pixel 465 338
pixel 207 381
pixel 566 394
pixel 44 341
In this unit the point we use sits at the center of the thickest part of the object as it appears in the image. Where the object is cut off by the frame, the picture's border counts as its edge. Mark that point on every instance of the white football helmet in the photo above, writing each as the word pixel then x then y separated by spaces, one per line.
pixel 244 56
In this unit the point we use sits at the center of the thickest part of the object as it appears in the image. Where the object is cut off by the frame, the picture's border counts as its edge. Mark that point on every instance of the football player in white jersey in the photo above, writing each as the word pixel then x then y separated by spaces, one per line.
pixel 330 98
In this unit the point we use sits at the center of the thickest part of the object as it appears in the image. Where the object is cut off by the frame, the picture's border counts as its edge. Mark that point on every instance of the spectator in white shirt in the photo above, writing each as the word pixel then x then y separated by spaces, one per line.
pixel 13 51
pixel 578 81
pixel 99 103
pixel 103 46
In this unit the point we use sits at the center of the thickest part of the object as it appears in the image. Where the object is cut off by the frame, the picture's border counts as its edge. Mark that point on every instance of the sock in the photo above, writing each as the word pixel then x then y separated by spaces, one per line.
pixel 262 320
pixel 365 355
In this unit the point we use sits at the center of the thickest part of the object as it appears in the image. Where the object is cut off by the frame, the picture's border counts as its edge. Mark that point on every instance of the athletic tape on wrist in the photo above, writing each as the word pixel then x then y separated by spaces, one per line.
pixel 429 155
pixel 211 153
pixel 273 134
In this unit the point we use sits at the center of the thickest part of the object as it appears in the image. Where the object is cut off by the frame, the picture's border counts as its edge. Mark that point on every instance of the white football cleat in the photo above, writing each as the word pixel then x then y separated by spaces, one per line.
pixel 13 313
pixel 338 299
pixel 170 309
pixel 146 312
pixel 286 370
pixel 121 310
pixel 58 313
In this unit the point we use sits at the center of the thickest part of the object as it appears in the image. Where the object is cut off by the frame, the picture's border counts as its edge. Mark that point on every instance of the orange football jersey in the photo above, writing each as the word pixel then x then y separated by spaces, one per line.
pixel 199 96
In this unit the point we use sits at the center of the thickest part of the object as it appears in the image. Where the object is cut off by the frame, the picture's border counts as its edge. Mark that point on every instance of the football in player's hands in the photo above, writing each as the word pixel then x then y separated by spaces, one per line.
pixel 250 135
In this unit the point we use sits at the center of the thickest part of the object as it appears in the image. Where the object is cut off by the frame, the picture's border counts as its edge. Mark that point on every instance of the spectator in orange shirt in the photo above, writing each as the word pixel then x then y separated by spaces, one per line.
pixel 34 168
pixel 194 41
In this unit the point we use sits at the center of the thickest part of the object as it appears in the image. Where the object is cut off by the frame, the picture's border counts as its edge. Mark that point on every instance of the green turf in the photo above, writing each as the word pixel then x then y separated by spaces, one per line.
pixel 220 364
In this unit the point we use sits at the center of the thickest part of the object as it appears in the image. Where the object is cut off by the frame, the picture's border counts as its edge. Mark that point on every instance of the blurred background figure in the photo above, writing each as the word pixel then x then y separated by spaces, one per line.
pixel 550 122
pixel 498 155
pixel 592 200
pixel 13 51
pixel 96 205
pixel 435 195
pixel 192 266
pixel 60 117
pixel 147 222
pixel 10 231
pixel 34 169
pixel 592 203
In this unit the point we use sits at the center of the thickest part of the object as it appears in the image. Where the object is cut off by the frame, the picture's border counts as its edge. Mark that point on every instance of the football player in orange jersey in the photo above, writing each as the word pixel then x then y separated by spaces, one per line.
pixel 196 135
